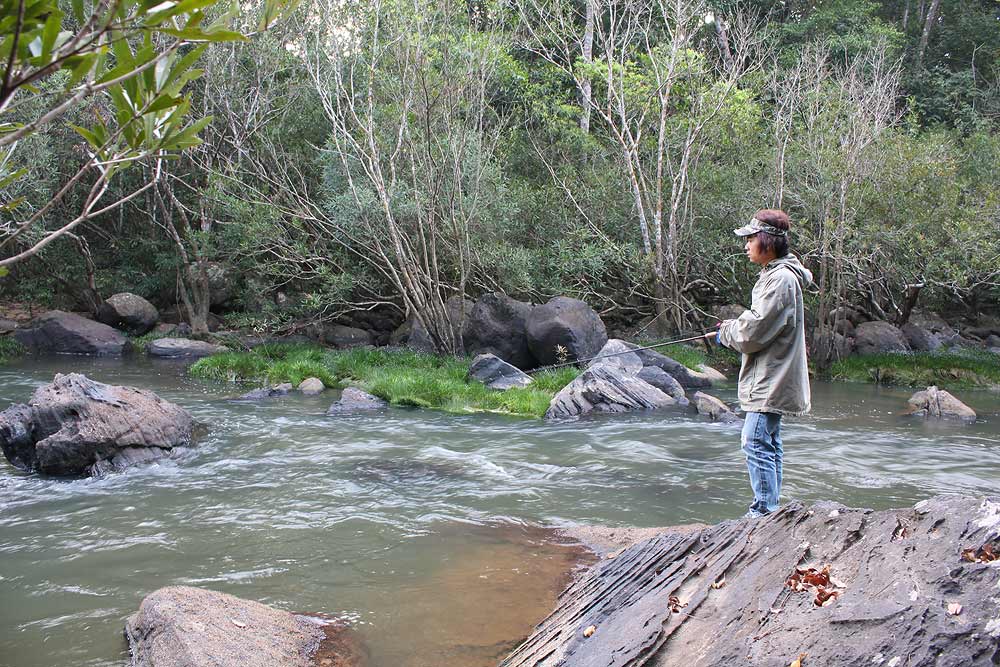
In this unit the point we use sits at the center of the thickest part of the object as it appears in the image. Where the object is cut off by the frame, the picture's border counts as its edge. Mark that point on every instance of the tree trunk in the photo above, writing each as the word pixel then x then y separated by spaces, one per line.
pixel 588 57
pixel 723 39
pixel 928 26
pixel 909 301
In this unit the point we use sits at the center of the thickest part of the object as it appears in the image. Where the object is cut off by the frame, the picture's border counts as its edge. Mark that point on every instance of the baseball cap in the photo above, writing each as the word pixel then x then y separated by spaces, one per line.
pixel 756 226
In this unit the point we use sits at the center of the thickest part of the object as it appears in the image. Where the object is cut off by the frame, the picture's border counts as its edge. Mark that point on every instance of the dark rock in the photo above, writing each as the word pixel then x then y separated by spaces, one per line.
pixel 355 400
pixel 827 346
pixel 338 335
pixel 605 388
pixel 919 339
pixel 276 391
pixel 713 408
pixel 844 328
pixel 617 353
pixel 878 337
pixel 992 341
pixel 675 369
pixel 129 312
pixel 496 373
pixel 182 626
pixel 565 329
pixel 7 326
pixel 847 313
pixel 76 426
pixel 939 404
pixel 663 381
pixel 69 333
pixel 497 324
pixel 896 572
pixel 173 348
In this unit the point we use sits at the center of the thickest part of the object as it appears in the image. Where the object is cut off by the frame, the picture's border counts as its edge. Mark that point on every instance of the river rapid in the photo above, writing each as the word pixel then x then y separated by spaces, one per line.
pixel 427 530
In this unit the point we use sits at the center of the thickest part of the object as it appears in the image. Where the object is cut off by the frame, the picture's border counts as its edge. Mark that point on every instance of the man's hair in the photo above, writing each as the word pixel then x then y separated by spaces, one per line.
pixel 769 242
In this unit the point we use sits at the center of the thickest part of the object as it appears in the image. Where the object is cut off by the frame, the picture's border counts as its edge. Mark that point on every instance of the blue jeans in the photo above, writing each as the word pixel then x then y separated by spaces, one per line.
pixel 762 446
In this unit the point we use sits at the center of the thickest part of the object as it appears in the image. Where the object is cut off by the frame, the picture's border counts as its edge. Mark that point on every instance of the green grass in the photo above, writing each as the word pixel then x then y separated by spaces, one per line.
pixel 693 356
pixel 10 349
pixel 970 368
pixel 401 377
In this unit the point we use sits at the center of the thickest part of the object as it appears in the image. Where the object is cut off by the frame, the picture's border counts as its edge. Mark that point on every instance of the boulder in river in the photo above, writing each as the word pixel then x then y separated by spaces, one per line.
pixel 713 408
pixel 182 348
pixel 277 391
pixel 845 587
pixel 311 386
pixel 129 312
pixel 68 333
pixel 496 373
pixel 937 403
pixel 604 388
pixel 565 329
pixel 675 369
pixel 76 426
pixel 183 626
pixel 497 324
pixel 617 353
pixel 663 381
pixel 356 400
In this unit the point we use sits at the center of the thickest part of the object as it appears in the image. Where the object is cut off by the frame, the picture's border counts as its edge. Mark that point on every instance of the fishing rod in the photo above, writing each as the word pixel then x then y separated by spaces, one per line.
pixel 617 354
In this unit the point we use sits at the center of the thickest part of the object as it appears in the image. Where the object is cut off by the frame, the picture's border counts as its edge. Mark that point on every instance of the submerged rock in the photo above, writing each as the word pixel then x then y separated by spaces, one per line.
pixel 355 400
pixel 605 388
pixel 68 333
pixel 904 587
pixel 76 426
pixel 175 348
pixel 182 626
pixel 496 373
pixel 939 404
pixel 713 408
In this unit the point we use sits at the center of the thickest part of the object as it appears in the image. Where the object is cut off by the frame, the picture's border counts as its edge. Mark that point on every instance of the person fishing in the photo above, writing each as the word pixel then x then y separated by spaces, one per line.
pixel 774 378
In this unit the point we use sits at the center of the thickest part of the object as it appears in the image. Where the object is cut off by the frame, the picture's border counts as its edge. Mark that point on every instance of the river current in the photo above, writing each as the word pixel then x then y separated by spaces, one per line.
pixel 425 529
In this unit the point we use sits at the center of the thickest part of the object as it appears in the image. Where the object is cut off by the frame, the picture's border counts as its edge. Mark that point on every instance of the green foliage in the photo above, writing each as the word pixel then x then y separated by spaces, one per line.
pixel 10 349
pixel 970 368
pixel 402 377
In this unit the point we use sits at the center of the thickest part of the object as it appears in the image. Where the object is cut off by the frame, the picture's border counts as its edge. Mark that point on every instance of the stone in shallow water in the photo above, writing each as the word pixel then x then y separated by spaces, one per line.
pixel 69 333
pixel 602 388
pixel 266 392
pixel 355 400
pixel 312 386
pixel 172 348
pixel 623 358
pixel 937 403
pixel 713 408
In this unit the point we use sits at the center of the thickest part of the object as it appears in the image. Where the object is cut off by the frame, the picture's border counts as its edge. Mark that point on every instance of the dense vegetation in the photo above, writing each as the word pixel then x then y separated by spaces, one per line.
pixel 388 155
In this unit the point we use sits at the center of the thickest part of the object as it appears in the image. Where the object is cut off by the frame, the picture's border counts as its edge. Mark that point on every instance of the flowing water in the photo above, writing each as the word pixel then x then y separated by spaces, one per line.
pixel 422 528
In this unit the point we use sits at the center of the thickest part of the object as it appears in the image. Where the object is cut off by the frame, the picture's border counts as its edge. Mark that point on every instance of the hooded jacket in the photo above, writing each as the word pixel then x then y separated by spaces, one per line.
pixel 772 337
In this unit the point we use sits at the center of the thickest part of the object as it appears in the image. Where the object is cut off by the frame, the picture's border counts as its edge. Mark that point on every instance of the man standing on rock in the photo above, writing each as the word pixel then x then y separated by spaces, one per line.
pixel 774 378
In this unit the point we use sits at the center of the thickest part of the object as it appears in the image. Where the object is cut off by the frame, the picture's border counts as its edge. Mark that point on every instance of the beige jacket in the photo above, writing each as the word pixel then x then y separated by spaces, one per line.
pixel 772 337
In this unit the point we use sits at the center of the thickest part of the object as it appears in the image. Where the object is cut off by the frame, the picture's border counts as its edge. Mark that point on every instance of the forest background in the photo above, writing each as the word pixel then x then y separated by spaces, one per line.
pixel 363 162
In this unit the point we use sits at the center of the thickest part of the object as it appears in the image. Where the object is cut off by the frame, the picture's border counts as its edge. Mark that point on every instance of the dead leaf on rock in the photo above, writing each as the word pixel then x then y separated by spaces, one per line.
pixel 720 583
pixel 984 554
pixel 798 661
pixel 239 624
pixel 819 582
pixel 675 604
pixel 590 630
pixel 954 609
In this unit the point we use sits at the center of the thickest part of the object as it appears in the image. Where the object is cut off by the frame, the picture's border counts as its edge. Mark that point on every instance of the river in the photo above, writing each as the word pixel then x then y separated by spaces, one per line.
pixel 425 529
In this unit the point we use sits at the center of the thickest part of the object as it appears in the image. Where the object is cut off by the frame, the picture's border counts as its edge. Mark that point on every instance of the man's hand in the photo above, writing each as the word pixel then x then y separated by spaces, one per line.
pixel 711 335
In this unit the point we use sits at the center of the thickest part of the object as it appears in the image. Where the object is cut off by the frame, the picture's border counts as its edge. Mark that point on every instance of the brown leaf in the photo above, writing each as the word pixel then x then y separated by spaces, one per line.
pixel 954 609
pixel 798 661
pixel 675 604
pixel 590 630
pixel 720 583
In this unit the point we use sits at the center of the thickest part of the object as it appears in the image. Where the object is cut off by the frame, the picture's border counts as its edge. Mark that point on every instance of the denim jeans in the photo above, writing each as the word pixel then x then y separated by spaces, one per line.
pixel 762 446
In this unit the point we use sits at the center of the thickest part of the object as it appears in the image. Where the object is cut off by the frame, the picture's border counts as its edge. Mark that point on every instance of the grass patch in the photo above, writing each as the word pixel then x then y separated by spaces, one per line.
pixel 10 349
pixel 966 369
pixel 401 377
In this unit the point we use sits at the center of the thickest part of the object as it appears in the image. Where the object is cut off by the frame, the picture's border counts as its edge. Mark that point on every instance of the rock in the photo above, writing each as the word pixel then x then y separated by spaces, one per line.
pixel 919 339
pixel 182 626
pixel 730 311
pixel 939 404
pixel 69 333
pixel 338 335
pixel 603 388
pixel 173 348
pixel 276 391
pixel 845 328
pixel 848 314
pixel 496 373
pixel 7 326
pixel 413 334
pixel 312 386
pixel 675 369
pixel 220 283
pixel 713 408
pixel 664 382
pixel 497 324
pixel 895 572
pixel 129 312
pixel 708 373
pixel 565 329
pixel 178 315
pixel 992 341
pixel 77 426
pixel 355 400
pixel 828 346
pixel 878 337
pixel 628 362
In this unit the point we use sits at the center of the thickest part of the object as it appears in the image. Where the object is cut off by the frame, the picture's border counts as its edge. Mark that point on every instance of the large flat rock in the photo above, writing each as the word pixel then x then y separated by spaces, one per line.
pixel 68 333
pixel 912 587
